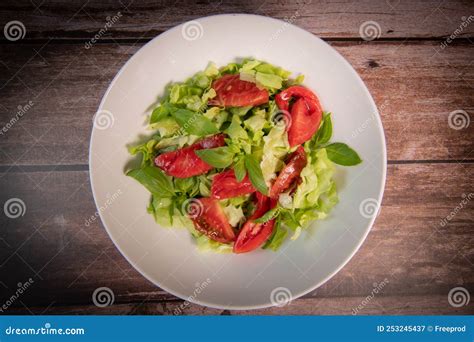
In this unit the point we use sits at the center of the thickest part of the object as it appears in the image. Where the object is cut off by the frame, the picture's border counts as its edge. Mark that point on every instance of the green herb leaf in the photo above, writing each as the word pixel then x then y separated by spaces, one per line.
pixel 154 180
pixel 161 112
pixel 239 169
pixel 184 184
pixel 342 154
pixel 171 212
pixel 269 215
pixel 255 174
pixel 325 131
pixel 277 238
pixel 194 123
pixel 219 157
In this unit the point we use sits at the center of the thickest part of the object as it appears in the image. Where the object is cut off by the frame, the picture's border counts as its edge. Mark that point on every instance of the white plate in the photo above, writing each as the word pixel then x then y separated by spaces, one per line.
pixel 168 257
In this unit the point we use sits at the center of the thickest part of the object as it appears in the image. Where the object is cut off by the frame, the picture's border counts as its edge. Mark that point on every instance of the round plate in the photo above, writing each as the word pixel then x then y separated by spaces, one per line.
pixel 168 257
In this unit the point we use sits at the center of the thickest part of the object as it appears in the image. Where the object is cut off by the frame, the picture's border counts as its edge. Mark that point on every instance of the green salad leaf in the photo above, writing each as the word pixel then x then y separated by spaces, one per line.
pixel 277 238
pixel 219 157
pixel 324 133
pixel 342 154
pixel 154 180
pixel 194 123
pixel 255 174
pixel 239 169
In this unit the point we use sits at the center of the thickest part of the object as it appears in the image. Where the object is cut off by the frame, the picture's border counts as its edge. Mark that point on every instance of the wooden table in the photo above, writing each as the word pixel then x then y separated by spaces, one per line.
pixel 415 81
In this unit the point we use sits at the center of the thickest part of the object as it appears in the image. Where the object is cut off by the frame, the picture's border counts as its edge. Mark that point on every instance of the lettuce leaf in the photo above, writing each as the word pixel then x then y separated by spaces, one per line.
pixel 316 180
pixel 315 196
pixel 275 149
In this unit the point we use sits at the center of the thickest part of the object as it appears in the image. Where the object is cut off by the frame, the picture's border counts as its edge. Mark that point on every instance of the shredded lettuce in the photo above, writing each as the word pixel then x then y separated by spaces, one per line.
pixel 315 196
pixel 256 146
pixel 275 148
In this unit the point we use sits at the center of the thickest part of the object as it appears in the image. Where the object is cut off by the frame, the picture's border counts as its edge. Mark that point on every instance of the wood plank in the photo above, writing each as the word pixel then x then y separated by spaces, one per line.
pixel 378 305
pixel 408 245
pixel 415 89
pixel 328 19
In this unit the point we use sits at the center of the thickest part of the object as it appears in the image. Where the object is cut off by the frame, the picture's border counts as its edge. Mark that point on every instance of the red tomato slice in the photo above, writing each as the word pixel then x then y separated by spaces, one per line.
pixel 264 204
pixel 304 123
pixel 225 185
pixel 289 173
pixel 233 92
pixel 283 98
pixel 210 220
pixel 306 113
pixel 253 235
pixel 184 163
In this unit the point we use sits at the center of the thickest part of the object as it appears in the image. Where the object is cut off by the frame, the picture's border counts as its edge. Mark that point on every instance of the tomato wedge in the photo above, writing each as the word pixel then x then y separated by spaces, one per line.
pixel 306 113
pixel 264 204
pixel 184 163
pixel 225 185
pixel 210 220
pixel 290 173
pixel 253 235
pixel 233 92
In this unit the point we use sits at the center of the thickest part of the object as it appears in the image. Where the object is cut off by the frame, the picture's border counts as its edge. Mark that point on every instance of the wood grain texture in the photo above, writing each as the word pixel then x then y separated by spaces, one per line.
pixel 408 248
pixel 415 85
pixel 415 82
pixel 146 19
pixel 379 305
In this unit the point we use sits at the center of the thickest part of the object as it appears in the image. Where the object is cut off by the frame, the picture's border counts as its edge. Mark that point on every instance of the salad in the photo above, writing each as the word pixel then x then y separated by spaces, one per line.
pixel 240 156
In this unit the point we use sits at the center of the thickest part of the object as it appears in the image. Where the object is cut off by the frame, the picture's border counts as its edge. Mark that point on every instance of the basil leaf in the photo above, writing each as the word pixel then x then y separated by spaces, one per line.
pixel 277 238
pixel 269 215
pixel 161 112
pixel 325 131
pixel 342 154
pixel 154 180
pixel 184 184
pixel 194 123
pixel 239 169
pixel 219 157
pixel 255 174
pixel 171 212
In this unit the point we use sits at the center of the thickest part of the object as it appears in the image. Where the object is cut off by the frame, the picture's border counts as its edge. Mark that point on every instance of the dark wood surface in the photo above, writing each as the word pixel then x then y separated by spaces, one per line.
pixel 415 83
